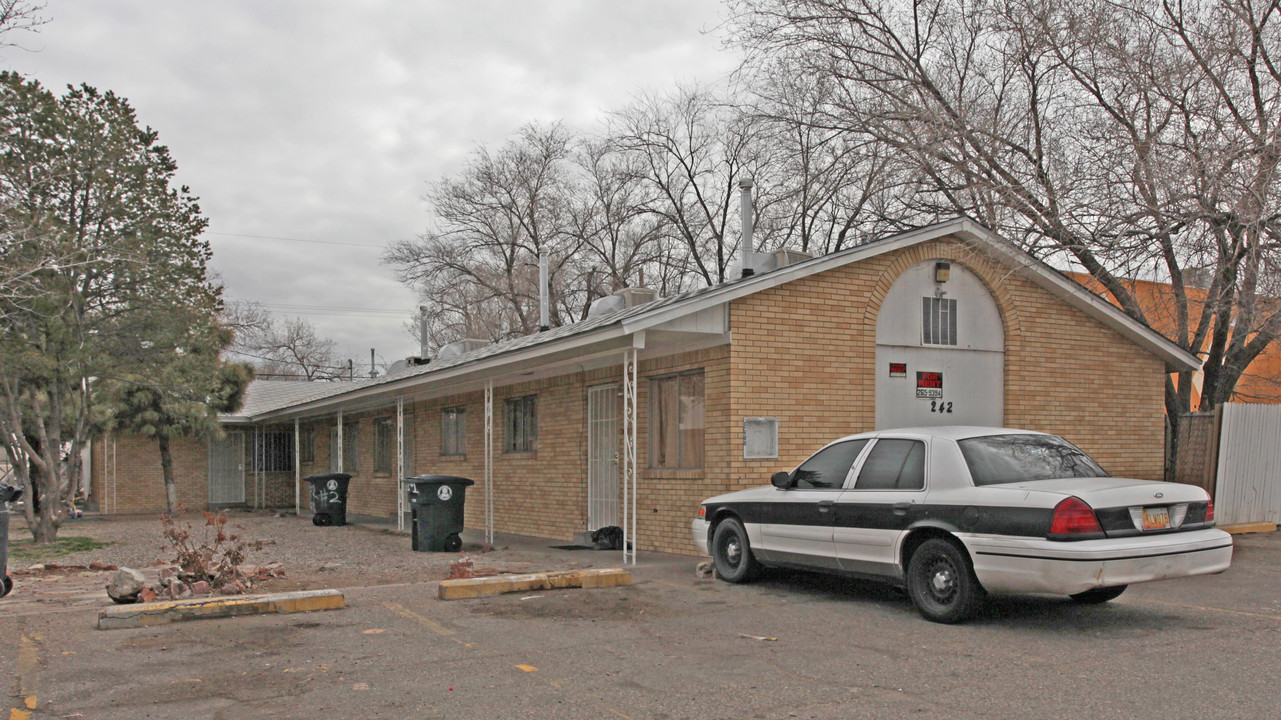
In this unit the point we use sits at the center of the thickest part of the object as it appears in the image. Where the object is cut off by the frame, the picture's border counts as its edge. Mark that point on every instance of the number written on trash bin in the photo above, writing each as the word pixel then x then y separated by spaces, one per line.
pixel 321 495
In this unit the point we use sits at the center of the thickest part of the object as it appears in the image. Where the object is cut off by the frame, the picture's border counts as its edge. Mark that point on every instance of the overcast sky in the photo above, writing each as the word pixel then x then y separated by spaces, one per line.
pixel 323 121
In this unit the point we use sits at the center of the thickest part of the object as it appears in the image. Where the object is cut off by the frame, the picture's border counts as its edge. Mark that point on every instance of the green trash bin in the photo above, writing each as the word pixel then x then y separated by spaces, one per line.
pixel 437 502
pixel 8 494
pixel 329 498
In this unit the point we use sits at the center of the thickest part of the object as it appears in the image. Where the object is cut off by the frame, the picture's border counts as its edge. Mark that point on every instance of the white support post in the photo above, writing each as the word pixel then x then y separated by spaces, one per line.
pixel 400 463
pixel 629 454
pixel 257 462
pixel 297 468
pixel 340 443
pixel 489 462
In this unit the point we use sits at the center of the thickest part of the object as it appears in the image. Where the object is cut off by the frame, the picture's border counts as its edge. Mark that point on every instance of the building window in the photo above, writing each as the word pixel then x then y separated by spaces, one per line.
pixel 520 417
pixel 350 448
pixel 384 444
pixel 453 431
pixel 273 451
pixel 676 421
pixel 308 450
pixel 938 321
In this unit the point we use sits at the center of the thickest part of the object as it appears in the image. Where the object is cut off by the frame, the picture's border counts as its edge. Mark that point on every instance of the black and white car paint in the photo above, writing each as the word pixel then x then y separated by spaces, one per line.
pixel 953 513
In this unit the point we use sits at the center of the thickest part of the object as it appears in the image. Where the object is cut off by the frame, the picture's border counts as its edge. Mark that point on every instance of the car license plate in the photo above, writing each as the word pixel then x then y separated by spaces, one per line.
pixel 1156 518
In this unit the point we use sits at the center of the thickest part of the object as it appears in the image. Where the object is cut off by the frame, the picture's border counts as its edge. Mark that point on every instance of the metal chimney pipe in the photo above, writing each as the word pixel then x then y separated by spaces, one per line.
pixel 749 250
pixel 422 332
pixel 373 371
pixel 544 295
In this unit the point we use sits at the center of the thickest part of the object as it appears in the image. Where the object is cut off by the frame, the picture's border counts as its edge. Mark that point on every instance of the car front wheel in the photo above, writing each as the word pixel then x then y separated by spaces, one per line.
pixel 942 584
pixel 1098 596
pixel 731 553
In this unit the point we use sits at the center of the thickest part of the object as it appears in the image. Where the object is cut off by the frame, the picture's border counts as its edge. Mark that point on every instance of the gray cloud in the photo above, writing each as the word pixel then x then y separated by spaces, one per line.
pixel 326 120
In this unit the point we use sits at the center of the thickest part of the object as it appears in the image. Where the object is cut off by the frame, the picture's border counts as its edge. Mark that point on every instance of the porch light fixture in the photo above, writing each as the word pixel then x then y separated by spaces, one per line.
pixel 942 272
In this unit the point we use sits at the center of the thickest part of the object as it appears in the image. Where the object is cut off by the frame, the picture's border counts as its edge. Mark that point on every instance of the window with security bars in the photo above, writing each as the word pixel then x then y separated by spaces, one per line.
pixel 274 451
pixel 938 321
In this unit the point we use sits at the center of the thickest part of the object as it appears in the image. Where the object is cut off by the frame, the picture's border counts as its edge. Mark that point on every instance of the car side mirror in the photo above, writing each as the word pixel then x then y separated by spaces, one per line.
pixel 781 480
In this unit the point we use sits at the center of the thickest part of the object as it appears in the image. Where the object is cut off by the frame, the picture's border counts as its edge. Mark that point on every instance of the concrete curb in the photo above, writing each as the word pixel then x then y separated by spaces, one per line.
pixel 1243 528
pixel 464 588
pixel 160 613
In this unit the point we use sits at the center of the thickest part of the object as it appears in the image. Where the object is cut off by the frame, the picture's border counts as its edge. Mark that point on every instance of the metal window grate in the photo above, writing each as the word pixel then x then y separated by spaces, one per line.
pixel 273 451
pixel 938 321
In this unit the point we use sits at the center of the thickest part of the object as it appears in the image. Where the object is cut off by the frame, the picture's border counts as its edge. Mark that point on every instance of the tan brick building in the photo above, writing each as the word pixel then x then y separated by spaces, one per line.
pixel 633 416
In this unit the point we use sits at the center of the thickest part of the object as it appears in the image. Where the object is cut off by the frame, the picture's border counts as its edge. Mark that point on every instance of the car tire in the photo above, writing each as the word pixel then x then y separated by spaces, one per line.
pixel 731 552
pixel 1098 596
pixel 941 582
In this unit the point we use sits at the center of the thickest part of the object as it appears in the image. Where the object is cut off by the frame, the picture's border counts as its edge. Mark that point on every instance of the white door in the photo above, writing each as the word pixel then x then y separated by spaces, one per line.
pixel 602 456
pixel 227 469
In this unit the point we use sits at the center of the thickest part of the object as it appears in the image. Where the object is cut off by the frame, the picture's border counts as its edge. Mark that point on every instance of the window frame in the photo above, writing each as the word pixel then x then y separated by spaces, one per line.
pixel 384 445
pixel 453 425
pixel 525 439
pixel 867 456
pixel 654 417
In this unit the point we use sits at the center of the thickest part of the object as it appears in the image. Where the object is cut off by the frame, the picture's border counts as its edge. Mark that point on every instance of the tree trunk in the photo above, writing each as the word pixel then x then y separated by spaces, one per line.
pixel 166 465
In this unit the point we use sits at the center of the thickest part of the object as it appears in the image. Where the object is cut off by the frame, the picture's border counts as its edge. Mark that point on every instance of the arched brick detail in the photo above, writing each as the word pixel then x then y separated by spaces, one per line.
pixel 956 251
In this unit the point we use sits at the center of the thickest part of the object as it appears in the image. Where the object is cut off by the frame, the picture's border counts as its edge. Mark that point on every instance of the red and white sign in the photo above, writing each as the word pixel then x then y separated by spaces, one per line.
pixel 929 384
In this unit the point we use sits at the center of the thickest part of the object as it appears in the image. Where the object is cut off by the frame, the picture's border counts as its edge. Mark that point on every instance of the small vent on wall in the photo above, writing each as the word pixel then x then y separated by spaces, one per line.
pixel 938 321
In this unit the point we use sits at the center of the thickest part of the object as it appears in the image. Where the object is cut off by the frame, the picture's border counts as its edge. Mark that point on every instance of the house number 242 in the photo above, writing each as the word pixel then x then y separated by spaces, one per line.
pixel 939 406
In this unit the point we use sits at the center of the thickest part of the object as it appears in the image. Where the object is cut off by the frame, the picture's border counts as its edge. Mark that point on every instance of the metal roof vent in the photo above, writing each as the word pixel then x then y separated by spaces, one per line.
pixel 784 257
pixel 621 300
pixel 454 349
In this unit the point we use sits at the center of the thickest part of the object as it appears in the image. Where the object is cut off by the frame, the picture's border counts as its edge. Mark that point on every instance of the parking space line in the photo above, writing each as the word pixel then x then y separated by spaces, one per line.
pixel 1214 609
pixel 425 622
pixel 28 662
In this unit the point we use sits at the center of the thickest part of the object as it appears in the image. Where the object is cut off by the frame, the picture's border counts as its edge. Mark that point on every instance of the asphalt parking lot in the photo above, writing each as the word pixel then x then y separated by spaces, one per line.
pixel 675 646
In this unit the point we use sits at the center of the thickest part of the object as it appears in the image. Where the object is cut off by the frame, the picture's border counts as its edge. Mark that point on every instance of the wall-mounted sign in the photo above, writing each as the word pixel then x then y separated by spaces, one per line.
pixel 898 370
pixel 929 384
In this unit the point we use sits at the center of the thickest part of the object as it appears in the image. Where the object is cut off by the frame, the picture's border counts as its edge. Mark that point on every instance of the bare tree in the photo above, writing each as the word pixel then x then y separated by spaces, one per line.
pixel 477 269
pixel 1130 138
pixel 281 348
pixel 19 16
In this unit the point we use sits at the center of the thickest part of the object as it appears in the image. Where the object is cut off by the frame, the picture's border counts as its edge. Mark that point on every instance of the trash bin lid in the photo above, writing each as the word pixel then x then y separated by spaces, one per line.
pixel 328 476
pixel 438 480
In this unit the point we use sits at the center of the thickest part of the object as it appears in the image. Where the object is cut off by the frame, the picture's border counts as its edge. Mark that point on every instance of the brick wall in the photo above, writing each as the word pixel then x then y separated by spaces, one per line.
pixel 126 476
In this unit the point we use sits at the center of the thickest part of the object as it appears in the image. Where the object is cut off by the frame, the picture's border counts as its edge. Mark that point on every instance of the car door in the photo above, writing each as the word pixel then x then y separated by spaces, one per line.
pixel 796 526
pixel 870 516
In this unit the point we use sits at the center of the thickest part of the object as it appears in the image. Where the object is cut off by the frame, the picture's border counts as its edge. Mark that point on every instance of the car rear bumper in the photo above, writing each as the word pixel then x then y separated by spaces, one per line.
pixel 699 528
pixel 1033 565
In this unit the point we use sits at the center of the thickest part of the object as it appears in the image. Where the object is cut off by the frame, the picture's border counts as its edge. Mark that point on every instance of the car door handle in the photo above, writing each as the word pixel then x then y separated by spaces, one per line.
pixel 825 505
pixel 901 508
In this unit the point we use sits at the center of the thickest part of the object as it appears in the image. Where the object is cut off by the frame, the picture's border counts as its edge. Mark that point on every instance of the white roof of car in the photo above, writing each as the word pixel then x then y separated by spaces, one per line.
pixel 950 432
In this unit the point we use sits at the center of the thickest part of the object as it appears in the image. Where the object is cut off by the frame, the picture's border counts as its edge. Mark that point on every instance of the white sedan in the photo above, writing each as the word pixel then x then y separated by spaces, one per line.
pixel 953 513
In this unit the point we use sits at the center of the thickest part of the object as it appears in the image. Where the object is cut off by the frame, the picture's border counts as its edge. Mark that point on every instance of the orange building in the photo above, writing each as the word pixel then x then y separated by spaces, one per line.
pixel 1261 381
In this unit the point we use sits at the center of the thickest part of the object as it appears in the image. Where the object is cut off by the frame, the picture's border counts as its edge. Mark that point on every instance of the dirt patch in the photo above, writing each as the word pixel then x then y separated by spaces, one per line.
pixel 624 604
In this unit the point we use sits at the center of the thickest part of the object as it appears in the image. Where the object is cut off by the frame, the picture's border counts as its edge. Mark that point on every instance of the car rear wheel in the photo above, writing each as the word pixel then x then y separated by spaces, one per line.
pixel 941 582
pixel 1098 596
pixel 731 552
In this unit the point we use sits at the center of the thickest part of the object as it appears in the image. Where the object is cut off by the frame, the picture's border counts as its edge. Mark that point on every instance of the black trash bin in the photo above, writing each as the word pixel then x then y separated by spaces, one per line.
pixel 437 502
pixel 8 494
pixel 329 498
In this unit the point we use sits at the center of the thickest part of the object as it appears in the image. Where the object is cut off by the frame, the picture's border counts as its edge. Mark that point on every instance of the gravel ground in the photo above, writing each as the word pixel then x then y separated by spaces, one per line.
pixel 313 557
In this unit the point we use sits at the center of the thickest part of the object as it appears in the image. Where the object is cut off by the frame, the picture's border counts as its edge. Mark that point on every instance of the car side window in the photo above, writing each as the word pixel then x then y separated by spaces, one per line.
pixel 827 469
pixel 893 465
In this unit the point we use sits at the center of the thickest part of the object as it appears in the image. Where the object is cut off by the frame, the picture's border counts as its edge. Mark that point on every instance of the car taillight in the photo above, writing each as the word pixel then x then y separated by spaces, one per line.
pixel 1074 517
pixel 1209 511
pixel 702 511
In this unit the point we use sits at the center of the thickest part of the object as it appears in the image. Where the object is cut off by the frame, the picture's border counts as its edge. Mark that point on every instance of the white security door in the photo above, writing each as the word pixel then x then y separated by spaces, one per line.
pixel 227 469
pixel 602 456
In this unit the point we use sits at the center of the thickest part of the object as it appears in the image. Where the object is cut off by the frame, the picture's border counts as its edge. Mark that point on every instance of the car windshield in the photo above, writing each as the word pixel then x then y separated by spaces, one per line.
pixel 997 459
